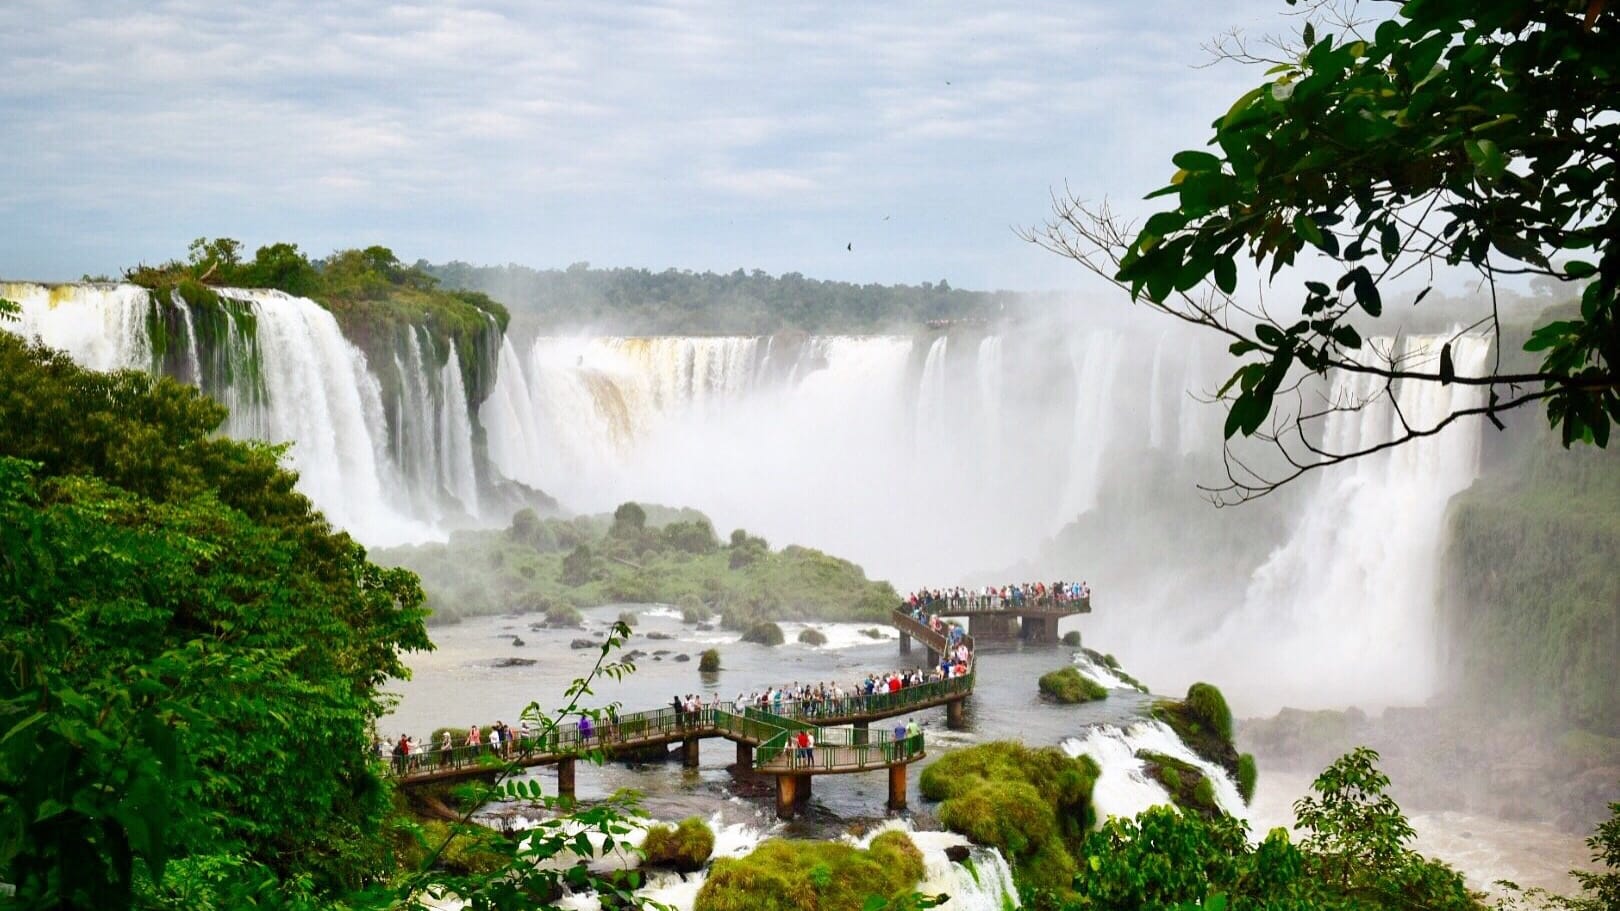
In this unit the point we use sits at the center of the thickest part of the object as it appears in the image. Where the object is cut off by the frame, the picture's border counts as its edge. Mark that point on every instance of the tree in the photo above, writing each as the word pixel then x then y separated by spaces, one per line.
pixel 628 521
pixel 1474 135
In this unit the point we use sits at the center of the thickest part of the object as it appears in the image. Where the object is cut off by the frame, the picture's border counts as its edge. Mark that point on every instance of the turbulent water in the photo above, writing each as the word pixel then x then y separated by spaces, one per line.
pixel 928 459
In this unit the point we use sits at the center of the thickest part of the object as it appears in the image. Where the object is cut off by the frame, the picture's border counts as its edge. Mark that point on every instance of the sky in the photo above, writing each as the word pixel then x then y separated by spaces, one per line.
pixel 894 142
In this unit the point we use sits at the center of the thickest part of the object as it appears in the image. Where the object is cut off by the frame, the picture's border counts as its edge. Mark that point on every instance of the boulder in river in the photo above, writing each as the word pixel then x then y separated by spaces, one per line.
pixel 514 662
pixel 584 643
pixel 683 657
pixel 518 642
pixel 655 634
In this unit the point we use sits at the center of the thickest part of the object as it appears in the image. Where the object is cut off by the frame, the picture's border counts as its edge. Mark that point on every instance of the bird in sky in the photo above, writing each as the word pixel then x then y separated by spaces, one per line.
pixel 850 246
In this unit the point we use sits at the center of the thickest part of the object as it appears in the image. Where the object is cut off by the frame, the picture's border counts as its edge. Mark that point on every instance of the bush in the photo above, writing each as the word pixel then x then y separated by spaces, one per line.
pixel 709 661
pixel 1204 724
pixel 1247 777
pixel 1072 638
pixel 1069 686
pixel 684 847
pixel 789 875
pixel 765 633
pixel 810 636
pixel 576 567
pixel 628 618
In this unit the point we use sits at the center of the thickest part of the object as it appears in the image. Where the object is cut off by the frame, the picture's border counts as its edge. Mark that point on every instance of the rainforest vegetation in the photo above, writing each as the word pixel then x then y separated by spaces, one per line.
pixel 637 555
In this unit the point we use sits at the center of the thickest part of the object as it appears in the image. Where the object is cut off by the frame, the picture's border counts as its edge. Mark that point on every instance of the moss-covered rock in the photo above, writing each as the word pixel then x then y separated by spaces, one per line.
pixel 684 847
pixel 791 875
pixel 628 618
pixel 1188 786
pixel 1032 804
pixel 763 632
pixel 693 610
pixel 475 849
pixel 709 661
pixel 1069 686
pixel 1072 638
pixel 1204 724
pixel 809 636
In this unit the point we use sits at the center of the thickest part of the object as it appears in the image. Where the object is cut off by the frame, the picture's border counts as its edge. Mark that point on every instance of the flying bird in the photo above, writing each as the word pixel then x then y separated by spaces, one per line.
pixel 850 246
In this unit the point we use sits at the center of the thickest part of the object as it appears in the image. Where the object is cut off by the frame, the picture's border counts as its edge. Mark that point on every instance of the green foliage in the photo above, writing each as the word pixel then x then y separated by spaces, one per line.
pixel 640 302
pixel 555 565
pixel 629 520
pixel 809 636
pixel 1493 117
pixel 1068 685
pixel 787 875
pixel 1072 638
pixel 1032 804
pixel 763 632
pixel 193 657
pixel 1248 775
pixel 377 300
pixel 709 661
pixel 1164 859
pixel 684 847
pixel 1529 604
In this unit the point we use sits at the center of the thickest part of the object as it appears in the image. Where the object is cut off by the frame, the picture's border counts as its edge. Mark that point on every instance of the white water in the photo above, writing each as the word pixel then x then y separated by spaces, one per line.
pixel 387 479
pixel 1347 601
pixel 988 886
pixel 1124 788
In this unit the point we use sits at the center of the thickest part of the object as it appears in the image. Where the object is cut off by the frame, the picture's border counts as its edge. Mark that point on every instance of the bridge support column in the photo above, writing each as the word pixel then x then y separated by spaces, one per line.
pixel 897 786
pixel 991 627
pixel 1039 629
pixel 689 752
pixel 802 793
pixel 787 794
pixel 933 658
pixel 565 778
pixel 745 757
pixel 860 732
pixel 955 718
pixel 905 643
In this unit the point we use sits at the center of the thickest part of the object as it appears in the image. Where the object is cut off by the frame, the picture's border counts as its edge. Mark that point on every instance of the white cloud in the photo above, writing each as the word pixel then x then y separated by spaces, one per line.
pixel 505 130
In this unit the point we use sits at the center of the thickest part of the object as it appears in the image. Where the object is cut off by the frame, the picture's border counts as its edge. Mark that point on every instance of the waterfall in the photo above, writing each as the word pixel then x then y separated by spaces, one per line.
pixel 1346 603
pixel 390 462
pixel 1096 358
pixel 931 405
pixel 102 327
pixel 1124 788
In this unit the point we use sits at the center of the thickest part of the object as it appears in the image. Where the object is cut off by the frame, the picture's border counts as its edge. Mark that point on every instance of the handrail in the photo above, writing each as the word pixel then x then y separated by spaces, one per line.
pixel 984 604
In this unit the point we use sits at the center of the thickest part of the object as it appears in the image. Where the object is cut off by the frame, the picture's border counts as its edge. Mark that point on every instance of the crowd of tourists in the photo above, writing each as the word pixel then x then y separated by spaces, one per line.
pixel 992 597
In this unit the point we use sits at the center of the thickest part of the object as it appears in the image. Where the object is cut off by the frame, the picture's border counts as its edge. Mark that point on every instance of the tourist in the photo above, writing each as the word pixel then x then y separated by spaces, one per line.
pixel 475 739
pixel 584 728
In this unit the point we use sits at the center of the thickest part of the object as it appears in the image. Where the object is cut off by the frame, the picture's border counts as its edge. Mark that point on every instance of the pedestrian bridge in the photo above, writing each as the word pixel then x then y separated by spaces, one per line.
pixel 843 740
pixel 1032 619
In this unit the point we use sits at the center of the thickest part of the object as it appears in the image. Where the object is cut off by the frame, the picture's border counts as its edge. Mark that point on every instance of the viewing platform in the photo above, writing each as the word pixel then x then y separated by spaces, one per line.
pixel 1005 619
pixel 842 740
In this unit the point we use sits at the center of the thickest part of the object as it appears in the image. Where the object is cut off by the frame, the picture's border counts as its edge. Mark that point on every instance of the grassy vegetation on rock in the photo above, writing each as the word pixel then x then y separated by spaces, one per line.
pixel 1032 804
pixel 1069 686
pixel 792 875
pixel 1204 723
pixel 684 847
pixel 709 661
pixel 809 636
pixel 1189 787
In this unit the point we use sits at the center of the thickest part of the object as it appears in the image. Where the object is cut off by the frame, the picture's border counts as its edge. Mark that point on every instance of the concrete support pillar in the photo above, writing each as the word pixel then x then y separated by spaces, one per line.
pixel 802 792
pixel 860 732
pixel 905 643
pixel 897 787
pixel 565 778
pixel 689 752
pixel 933 658
pixel 787 789
pixel 955 718
pixel 745 756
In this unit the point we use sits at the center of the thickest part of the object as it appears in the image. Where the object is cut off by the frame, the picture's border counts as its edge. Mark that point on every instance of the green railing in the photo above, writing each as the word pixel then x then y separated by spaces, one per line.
pixel 984 604
pixel 839 748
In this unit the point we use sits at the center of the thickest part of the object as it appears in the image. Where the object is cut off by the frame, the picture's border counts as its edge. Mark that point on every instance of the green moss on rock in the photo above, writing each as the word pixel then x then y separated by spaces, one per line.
pixel 1072 638
pixel 684 847
pixel 1188 786
pixel 1204 724
pixel 1069 686
pixel 809 636
pixel 792 875
pixel 1248 775
pixel 1032 804
pixel 709 661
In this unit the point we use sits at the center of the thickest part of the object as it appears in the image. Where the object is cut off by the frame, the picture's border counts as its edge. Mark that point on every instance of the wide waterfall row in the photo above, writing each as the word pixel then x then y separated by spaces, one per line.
pixel 916 455
pixel 385 450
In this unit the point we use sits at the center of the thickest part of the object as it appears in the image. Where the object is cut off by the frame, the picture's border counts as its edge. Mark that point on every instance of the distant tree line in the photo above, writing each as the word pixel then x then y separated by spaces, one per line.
pixel 681 302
